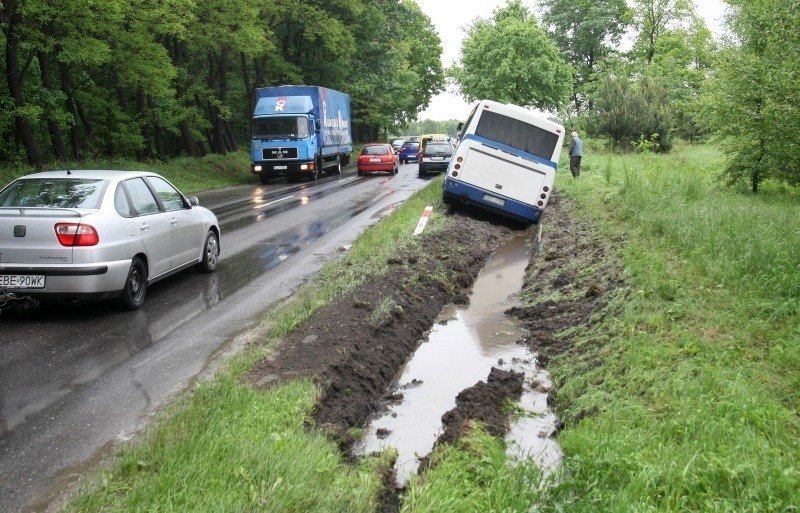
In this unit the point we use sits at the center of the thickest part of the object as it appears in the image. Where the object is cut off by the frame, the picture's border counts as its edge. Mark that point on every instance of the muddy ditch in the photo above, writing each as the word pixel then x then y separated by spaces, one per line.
pixel 357 347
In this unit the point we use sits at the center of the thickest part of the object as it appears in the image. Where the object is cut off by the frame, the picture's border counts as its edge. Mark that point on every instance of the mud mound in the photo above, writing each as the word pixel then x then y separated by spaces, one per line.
pixel 580 265
pixel 485 403
pixel 355 346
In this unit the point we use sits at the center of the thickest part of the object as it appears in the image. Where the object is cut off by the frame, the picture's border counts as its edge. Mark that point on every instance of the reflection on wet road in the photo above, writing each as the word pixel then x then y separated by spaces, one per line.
pixel 72 379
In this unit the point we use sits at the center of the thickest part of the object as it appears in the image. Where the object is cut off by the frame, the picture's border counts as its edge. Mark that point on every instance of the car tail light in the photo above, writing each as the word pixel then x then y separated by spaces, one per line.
pixel 75 234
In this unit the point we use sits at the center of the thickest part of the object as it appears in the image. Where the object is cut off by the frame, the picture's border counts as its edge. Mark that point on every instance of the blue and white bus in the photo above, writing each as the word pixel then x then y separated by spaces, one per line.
pixel 505 161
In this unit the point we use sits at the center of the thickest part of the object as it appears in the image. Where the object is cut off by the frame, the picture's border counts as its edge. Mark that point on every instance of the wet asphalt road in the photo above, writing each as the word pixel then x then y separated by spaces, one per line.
pixel 75 380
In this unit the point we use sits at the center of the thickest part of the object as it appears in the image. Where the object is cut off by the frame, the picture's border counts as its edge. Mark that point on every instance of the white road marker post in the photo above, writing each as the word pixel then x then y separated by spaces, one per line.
pixel 423 220
pixel 538 245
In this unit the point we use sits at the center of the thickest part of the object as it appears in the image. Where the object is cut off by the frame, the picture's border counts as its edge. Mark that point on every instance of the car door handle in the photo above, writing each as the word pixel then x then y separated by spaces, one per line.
pixel 173 221
pixel 144 227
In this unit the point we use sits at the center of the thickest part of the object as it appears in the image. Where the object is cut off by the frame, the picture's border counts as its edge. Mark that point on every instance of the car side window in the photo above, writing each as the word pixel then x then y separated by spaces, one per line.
pixel 169 196
pixel 121 203
pixel 143 200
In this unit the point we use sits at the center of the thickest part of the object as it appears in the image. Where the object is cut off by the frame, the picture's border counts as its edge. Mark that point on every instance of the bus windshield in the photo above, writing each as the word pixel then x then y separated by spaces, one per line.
pixel 517 134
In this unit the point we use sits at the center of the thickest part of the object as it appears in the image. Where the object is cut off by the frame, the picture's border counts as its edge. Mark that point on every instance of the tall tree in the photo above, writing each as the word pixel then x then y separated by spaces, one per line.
pixel 634 113
pixel 654 18
pixel 511 59
pixel 398 69
pixel 682 61
pixel 753 102
pixel 223 29
pixel 12 22
pixel 587 32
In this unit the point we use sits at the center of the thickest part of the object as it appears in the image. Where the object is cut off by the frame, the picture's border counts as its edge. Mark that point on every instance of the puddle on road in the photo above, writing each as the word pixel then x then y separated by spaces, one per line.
pixel 460 350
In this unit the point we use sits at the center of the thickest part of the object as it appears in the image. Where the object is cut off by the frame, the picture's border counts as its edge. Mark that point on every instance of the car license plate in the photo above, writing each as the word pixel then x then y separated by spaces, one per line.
pixel 279 167
pixel 437 158
pixel 22 281
pixel 492 199
pixel 374 160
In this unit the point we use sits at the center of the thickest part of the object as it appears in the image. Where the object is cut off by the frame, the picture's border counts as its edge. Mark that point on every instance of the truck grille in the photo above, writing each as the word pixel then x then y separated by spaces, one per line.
pixel 279 153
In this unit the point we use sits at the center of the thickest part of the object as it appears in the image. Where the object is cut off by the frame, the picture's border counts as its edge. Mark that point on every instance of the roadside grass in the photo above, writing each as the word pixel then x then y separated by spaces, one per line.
pixel 694 404
pixel 685 400
pixel 191 175
pixel 473 476
pixel 228 447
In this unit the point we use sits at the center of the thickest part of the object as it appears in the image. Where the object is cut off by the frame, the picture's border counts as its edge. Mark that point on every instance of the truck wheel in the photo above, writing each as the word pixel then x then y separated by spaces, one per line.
pixel 338 170
pixel 263 178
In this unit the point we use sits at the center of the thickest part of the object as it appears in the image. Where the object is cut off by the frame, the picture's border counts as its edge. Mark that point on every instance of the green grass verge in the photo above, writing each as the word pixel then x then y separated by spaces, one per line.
pixel 473 476
pixel 694 404
pixel 228 447
pixel 191 175
pixel 685 401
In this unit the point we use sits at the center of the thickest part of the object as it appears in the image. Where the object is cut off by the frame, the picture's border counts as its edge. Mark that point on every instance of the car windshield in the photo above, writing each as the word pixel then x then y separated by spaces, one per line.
pixel 375 150
pixel 432 148
pixel 53 193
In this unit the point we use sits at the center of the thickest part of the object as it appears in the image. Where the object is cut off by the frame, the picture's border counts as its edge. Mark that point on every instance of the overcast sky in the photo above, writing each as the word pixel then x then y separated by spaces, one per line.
pixel 450 19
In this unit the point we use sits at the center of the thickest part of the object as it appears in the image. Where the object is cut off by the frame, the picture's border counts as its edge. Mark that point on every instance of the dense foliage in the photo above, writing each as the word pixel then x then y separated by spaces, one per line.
pixel 147 79
pixel 153 79
pixel 753 101
pixel 511 59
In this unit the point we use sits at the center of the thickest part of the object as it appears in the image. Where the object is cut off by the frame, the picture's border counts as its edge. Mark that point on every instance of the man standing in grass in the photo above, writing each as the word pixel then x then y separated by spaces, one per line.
pixel 575 154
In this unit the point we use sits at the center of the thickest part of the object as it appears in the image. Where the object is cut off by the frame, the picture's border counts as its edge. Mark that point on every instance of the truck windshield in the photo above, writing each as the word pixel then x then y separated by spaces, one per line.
pixel 294 127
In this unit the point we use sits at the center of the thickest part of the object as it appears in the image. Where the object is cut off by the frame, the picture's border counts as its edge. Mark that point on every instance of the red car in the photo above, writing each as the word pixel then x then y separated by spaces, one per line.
pixel 375 157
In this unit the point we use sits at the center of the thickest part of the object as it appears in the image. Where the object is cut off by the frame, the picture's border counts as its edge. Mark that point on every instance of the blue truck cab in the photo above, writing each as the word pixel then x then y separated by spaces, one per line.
pixel 299 131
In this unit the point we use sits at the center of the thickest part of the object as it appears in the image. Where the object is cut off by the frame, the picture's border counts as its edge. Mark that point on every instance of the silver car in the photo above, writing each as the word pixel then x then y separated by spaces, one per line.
pixel 80 236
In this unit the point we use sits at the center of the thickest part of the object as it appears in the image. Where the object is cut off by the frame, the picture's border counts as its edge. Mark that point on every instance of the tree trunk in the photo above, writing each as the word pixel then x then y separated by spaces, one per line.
pixel 146 152
pixel 217 122
pixel 77 113
pixel 56 138
pixel 189 144
pixel 13 17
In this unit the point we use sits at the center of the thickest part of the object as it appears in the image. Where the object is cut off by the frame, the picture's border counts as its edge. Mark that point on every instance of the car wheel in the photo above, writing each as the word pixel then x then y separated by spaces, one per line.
pixel 210 253
pixel 421 173
pixel 396 170
pixel 360 173
pixel 135 286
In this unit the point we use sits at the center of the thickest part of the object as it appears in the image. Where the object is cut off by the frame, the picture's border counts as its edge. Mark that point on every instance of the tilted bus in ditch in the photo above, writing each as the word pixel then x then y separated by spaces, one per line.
pixel 506 161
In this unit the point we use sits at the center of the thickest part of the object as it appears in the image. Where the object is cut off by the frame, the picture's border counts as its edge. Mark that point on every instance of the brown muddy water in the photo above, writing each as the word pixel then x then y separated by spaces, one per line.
pixel 462 347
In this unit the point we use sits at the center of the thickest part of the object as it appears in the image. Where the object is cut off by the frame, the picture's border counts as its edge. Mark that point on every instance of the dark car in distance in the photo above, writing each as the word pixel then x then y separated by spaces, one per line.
pixel 409 152
pixel 435 157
